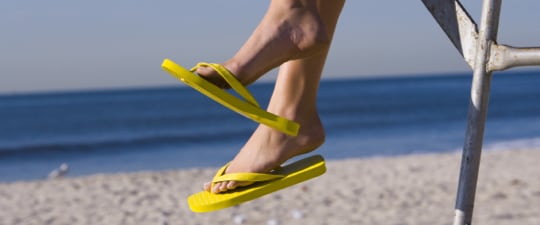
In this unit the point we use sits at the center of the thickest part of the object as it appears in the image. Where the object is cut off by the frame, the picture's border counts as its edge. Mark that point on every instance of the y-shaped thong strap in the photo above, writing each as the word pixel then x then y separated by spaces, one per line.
pixel 231 80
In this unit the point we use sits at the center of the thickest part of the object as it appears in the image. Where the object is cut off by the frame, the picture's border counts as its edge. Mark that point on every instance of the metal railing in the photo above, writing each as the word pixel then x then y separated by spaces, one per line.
pixel 480 50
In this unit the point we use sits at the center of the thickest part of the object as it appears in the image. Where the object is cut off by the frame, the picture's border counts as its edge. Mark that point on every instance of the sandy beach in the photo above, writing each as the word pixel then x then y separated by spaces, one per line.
pixel 414 189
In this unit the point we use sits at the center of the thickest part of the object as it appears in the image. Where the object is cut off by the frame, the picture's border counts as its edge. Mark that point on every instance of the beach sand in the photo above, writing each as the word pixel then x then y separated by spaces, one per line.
pixel 413 189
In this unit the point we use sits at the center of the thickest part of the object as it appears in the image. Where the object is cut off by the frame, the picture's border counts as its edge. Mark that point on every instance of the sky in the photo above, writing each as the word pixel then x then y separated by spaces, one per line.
pixel 63 45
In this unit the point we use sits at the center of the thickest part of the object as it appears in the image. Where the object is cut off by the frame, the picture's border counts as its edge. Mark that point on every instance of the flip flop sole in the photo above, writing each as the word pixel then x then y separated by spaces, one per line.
pixel 294 173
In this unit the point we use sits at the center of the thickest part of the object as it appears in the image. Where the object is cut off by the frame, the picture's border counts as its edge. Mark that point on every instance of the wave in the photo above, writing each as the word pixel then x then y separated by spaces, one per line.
pixel 118 143
pixel 524 143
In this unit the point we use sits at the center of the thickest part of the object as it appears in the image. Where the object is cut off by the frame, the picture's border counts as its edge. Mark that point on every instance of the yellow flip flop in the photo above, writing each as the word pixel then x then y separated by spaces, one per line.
pixel 278 179
pixel 247 106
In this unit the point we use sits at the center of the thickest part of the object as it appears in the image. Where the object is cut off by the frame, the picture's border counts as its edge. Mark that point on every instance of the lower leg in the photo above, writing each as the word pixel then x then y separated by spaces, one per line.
pixel 291 29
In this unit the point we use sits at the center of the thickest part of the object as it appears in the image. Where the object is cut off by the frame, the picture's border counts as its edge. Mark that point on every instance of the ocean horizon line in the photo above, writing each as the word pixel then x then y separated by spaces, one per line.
pixel 260 82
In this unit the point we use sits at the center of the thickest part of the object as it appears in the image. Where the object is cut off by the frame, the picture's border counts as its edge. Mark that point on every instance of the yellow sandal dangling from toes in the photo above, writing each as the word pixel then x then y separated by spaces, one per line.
pixel 247 106
pixel 264 183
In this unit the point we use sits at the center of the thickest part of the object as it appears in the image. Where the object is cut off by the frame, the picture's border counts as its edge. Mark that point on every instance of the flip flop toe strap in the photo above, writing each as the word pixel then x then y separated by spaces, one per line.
pixel 247 177
pixel 231 80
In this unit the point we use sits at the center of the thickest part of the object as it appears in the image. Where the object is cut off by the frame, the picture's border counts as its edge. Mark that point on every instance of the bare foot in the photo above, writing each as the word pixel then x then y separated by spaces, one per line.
pixel 267 149
pixel 286 32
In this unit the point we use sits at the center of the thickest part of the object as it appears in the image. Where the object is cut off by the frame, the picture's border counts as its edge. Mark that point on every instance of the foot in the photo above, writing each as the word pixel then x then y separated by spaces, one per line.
pixel 267 149
pixel 288 31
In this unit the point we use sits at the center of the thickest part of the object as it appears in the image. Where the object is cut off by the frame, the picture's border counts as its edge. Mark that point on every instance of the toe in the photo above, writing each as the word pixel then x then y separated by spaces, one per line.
pixel 207 186
pixel 216 188
pixel 203 70
pixel 212 76
pixel 223 187
pixel 219 187
pixel 231 185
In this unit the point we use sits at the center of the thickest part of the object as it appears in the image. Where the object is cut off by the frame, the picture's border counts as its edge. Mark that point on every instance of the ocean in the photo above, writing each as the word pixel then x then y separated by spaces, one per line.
pixel 110 131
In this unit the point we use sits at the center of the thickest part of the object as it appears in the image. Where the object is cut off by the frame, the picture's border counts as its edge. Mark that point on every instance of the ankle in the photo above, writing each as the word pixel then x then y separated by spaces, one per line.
pixel 308 41
pixel 311 137
pixel 308 34
pixel 311 131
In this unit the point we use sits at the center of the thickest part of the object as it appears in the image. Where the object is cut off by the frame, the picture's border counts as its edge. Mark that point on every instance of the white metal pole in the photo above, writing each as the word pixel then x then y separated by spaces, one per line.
pixel 477 113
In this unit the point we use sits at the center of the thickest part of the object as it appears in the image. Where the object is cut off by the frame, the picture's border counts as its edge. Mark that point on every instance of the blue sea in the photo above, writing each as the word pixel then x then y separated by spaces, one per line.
pixel 109 131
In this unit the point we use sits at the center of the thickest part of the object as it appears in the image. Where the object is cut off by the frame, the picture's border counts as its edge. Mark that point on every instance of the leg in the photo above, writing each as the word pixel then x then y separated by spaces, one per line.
pixel 291 29
pixel 294 97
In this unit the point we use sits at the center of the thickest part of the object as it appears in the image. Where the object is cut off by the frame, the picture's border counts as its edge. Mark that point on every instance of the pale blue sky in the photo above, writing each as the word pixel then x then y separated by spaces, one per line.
pixel 67 45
